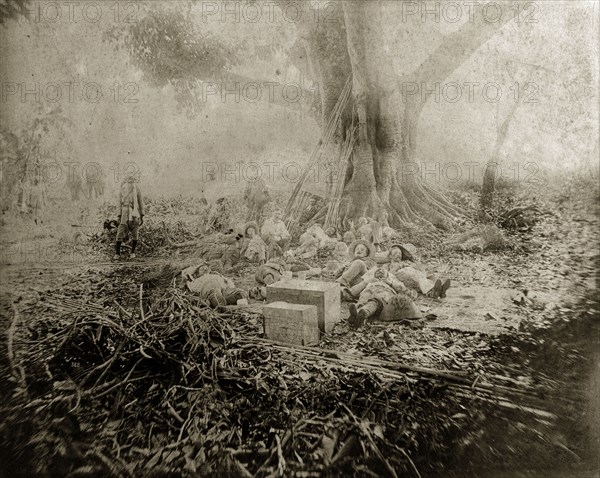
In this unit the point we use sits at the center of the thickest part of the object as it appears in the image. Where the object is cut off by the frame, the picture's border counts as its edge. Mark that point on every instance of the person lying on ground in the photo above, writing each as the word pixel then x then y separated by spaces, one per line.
pixel 220 246
pixel 402 263
pixel 131 214
pixel 272 272
pixel 352 293
pixel 376 294
pixel 254 248
pixel 215 289
pixel 193 272
pixel 362 253
pixel 215 245
pixel 333 234
pixel 226 236
pixel 414 278
pixel 307 249
pixel 317 231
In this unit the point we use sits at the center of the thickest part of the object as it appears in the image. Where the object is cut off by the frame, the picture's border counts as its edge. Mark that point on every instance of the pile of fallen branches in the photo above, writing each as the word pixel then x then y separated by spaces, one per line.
pixel 155 236
pixel 174 387
pixel 167 222
pixel 177 205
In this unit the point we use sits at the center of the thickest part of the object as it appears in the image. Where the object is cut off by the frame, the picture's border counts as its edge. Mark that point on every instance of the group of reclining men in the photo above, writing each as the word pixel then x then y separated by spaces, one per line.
pixel 376 279
pixel 373 276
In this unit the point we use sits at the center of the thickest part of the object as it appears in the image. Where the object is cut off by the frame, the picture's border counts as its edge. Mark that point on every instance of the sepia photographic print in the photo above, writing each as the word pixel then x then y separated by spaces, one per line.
pixel 299 238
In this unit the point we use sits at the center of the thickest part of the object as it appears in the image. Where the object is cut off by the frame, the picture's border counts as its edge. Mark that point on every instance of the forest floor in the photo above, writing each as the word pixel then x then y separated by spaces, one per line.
pixel 522 318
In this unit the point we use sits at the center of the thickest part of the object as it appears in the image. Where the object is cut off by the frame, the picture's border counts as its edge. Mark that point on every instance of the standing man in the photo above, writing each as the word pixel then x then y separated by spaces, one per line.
pixel 256 196
pixel 38 201
pixel 74 184
pixel 25 198
pixel 131 214
pixel 94 184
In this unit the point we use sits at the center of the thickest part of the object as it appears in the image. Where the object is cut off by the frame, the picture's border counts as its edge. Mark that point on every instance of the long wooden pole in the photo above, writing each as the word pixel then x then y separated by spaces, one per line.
pixel 317 152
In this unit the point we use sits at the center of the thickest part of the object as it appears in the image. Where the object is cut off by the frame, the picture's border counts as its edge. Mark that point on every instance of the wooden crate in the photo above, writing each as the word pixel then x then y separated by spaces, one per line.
pixel 292 323
pixel 325 295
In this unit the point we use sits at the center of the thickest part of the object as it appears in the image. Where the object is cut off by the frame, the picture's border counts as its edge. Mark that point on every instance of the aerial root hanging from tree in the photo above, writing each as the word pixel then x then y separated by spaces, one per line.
pixel 409 203
pixel 441 199
pixel 432 203
pixel 425 208
pixel 406 208
pixel 426 198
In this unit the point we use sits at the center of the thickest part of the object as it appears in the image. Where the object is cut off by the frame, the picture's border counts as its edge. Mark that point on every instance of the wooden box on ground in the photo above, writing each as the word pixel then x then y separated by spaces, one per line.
pixel 325 295
pixel 292 323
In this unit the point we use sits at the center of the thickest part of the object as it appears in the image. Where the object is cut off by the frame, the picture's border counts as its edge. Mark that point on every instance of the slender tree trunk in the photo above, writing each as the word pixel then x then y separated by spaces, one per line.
pixel 489 180
pixel 489 175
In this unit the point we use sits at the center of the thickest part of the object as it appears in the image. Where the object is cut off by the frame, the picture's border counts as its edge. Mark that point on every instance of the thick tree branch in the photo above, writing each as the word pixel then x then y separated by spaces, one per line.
pixel 459 46
pixel 275 93
pixel 455 50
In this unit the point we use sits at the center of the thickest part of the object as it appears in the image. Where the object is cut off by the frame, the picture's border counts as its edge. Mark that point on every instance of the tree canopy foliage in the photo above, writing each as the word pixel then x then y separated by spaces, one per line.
pixel 13 9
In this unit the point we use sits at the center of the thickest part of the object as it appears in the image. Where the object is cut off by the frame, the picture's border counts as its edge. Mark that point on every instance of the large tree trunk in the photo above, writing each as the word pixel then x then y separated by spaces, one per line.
pixel 362 187
pixel 382 173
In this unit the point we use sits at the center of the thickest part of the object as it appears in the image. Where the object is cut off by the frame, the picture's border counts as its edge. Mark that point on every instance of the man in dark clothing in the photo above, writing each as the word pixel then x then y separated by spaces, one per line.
pixel 75 186
pixel 311 210
pixel 131 215
pixel 256 196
